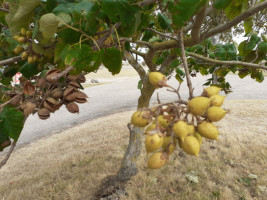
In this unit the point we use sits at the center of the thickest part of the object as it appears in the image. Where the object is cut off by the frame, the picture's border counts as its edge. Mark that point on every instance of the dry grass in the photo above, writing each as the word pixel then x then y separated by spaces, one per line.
pixel 72 164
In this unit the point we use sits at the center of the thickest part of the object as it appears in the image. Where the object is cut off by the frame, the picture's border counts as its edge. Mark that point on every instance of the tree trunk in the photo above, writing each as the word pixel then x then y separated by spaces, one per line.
pixel 128 166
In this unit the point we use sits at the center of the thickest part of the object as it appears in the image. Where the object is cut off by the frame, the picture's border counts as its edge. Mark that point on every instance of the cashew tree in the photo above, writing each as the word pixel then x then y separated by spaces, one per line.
pixel 55 43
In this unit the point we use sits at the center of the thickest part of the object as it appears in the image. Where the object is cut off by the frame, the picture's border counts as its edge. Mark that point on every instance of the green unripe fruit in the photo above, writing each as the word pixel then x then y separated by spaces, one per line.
pixel 24 55
pixel 18 49
pixel 30 60
pixel 29 34
pixel 23 31
pixel 16 37
pixel 21 40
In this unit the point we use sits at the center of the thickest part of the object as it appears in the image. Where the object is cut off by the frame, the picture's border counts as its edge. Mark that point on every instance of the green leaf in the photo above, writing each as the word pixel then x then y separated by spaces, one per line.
pixel 50 5
pixel 29 70
pixel 20 14
pixel 83 58
pixel 182 11
pixel 112 60
pixel 241 48
pixel 147 35
pixel 164 21
pixel 179 78
pixel 248 24
pixel 259 77
pixel 69 36
pixel 10 71
pixel 221 4
pixel 63 17
pixel 233 10
pixel 11 122
pixel 243 73
pixel 48 24
pixel 254 39
pixel 127 46
pixel 61 51
pixel 262 47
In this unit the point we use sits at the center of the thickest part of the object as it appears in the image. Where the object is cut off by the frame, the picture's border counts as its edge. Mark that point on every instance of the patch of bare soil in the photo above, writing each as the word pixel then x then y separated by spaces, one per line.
pixel 72 164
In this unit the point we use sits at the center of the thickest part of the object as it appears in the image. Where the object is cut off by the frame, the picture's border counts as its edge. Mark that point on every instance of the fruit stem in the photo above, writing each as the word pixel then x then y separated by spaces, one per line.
pixel 184 60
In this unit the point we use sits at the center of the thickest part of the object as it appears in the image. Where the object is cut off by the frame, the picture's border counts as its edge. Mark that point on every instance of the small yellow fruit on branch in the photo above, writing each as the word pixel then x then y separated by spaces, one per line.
pixel 199 105
pixel 215 113
pixel 217 100
pixel 191 145
pixel 157 79
pixel 139 118
pixel 153 142
pixel 157 160
pixel 212 90
pixel 208 130
pixel 23 31
pixel 180 129
pixel 18 49
pixel 199 137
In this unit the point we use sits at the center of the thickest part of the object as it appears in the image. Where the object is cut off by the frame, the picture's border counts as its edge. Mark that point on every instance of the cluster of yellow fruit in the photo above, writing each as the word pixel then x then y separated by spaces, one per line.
pixel 182 123
pixel 26 54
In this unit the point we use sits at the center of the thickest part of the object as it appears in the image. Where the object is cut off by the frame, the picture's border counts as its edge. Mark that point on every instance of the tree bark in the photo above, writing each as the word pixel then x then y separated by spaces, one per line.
pixel 128 166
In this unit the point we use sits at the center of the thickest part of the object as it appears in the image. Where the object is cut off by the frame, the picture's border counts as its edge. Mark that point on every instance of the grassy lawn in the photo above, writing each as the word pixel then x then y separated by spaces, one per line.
pixel 72 164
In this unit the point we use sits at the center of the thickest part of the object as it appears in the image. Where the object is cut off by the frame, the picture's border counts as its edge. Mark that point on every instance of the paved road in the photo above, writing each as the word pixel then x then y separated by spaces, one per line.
pixel 122 95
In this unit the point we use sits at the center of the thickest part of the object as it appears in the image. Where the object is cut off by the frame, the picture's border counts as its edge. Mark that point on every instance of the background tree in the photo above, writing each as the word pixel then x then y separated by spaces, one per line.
pixel 54 43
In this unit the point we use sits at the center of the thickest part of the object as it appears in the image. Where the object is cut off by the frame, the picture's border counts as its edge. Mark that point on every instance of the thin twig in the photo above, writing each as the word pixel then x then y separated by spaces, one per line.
pixel 234 62
pixel 158 98
pixel 4 161
pixel 163 34
pixel 10 100
pixel 4 10
pixel 184 60
pixel 10 60
pixel 61 74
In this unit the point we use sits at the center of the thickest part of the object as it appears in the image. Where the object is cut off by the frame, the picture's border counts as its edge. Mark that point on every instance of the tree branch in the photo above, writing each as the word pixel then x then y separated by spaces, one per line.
pixel 143 43
pixel 243 16
pixel 184 60
pixel 199 19
pixel 167 62
pixel 162 34
pixel 4 161
pixel 146 2
pixel 10 60
pixel 138 68
pixel 159 46
pixel 138 53
pixel 10 100
pixel 4 10
pixel 149 60
pixel 246 64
